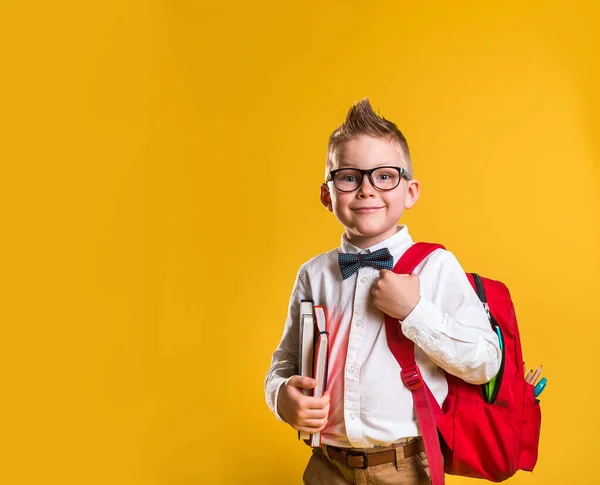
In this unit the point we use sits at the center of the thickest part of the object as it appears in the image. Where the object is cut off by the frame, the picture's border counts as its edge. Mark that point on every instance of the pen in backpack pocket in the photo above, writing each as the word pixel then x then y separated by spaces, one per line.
pixel 535 375
pixel 540 387
pixel 499 333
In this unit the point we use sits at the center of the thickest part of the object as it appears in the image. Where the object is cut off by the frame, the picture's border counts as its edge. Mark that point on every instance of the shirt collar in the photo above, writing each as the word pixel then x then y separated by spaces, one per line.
pixel 397 244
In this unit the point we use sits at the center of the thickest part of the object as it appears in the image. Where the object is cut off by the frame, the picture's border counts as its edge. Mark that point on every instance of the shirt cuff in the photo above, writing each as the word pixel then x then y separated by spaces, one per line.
pixel 276 398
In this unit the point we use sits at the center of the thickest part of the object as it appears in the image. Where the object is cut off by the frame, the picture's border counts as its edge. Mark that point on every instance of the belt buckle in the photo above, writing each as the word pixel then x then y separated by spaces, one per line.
pixel 360 453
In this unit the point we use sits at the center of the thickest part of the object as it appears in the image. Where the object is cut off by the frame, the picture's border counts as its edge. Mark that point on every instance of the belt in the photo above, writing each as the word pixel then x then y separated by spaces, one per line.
pixel 358 459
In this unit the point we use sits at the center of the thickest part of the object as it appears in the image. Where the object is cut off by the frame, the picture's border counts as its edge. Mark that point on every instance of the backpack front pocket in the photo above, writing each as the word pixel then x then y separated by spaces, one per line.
pixel 530 430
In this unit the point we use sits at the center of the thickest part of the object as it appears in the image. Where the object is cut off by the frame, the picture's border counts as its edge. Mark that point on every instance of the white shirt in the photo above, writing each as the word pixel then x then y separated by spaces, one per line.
pixel 369 404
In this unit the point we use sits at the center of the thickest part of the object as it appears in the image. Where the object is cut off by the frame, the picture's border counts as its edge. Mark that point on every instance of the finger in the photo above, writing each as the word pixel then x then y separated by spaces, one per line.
pixel 383 272
pixel 313 423
pixel 302 382
pixel 316 402
pixel 314 414
pixel 312 429
pixel 309 430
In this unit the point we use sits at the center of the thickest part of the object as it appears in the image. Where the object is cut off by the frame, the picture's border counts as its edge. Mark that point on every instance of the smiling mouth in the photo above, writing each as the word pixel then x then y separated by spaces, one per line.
pixel 367 210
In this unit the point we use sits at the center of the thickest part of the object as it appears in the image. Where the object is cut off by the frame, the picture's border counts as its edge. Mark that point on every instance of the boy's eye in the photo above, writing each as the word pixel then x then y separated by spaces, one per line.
pixel 384 176
pixel 346 177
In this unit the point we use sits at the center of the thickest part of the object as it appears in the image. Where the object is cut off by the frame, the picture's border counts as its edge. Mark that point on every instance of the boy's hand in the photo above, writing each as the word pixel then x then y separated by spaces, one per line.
pixel 396 294
pixel 301 412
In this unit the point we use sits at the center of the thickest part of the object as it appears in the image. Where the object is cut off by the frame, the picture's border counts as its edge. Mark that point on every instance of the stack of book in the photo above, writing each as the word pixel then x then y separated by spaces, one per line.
pixel 313 355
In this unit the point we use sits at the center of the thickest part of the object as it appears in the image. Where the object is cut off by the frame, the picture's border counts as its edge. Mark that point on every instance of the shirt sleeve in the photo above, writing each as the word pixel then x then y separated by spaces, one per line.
pixel 450 323
pixel 284 362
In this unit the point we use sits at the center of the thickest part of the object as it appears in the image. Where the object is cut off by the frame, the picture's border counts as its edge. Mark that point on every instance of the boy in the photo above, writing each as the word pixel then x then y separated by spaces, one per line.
pixel 367 409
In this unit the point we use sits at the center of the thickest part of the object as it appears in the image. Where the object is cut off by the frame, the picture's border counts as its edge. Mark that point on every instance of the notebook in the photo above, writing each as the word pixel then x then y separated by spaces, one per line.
pixel 307 346
pixel 320 363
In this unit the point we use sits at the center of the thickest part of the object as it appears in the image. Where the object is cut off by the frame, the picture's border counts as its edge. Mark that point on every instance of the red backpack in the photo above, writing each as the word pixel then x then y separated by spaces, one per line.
pixel 469 436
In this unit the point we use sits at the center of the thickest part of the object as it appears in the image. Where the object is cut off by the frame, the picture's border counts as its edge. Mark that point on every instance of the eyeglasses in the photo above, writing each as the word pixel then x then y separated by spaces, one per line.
pixel 382 178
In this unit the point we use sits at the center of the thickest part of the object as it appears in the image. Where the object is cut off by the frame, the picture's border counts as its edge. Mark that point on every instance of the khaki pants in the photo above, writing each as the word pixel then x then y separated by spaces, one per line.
pixel 321 470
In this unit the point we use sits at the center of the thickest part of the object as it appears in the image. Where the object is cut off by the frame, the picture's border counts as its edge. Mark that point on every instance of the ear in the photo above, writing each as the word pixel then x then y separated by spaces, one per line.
pixel 412 194
pixel 326 197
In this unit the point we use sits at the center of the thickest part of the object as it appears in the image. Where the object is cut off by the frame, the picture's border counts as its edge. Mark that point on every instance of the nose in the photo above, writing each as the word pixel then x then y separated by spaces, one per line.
pixel 366 188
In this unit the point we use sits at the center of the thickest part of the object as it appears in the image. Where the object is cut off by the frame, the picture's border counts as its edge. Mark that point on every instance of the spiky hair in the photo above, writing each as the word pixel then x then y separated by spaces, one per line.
pixel 362 120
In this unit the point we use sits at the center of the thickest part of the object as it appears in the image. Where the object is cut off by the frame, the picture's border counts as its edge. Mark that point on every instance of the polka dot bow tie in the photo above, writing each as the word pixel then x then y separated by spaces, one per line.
pixel 350 262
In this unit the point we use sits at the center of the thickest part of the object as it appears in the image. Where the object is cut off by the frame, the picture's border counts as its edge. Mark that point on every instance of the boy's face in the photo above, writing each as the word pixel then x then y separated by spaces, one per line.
pixel 368 214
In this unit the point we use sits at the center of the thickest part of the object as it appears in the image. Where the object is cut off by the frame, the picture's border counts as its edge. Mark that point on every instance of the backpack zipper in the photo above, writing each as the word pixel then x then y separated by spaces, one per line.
pixel 479 289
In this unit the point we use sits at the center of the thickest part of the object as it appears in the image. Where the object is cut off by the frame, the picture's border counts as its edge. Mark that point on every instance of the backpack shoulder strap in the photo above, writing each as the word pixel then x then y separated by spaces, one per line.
pixel 414 255
pixel 403 350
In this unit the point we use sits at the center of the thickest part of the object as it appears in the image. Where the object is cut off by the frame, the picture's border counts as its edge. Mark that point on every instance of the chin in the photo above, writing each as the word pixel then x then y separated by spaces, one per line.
pixel 371 231
pixel 373 228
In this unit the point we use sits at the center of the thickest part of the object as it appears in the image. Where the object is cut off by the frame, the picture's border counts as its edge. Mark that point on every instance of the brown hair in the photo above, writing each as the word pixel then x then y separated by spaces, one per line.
pixel 362 120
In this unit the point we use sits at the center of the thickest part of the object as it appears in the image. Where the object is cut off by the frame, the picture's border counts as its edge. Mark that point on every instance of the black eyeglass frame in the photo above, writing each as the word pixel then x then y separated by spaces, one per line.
pixel 401 171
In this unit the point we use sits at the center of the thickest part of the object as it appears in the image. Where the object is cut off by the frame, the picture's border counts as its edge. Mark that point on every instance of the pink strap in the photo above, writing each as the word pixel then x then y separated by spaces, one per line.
pixel 403 349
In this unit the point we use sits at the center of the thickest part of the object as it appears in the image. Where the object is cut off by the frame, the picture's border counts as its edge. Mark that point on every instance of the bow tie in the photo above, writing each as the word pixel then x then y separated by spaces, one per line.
pixel 350 262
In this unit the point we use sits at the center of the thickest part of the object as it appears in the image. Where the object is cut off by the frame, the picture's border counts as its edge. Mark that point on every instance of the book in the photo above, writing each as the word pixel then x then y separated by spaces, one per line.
pixel 307 346
pixel 320 363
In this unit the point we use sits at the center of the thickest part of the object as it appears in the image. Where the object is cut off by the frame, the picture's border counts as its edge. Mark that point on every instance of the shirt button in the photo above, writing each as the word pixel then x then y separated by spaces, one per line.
pixel 352 416
pixel 351 368
pixel 410 333
pixel 363 279
pixel 359 323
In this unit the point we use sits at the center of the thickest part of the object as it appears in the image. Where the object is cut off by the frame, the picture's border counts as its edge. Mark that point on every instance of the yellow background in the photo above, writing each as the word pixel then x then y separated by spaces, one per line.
pixel 161 164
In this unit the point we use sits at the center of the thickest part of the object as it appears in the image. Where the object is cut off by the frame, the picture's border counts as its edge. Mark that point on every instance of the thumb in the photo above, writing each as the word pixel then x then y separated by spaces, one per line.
pixel 302 382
